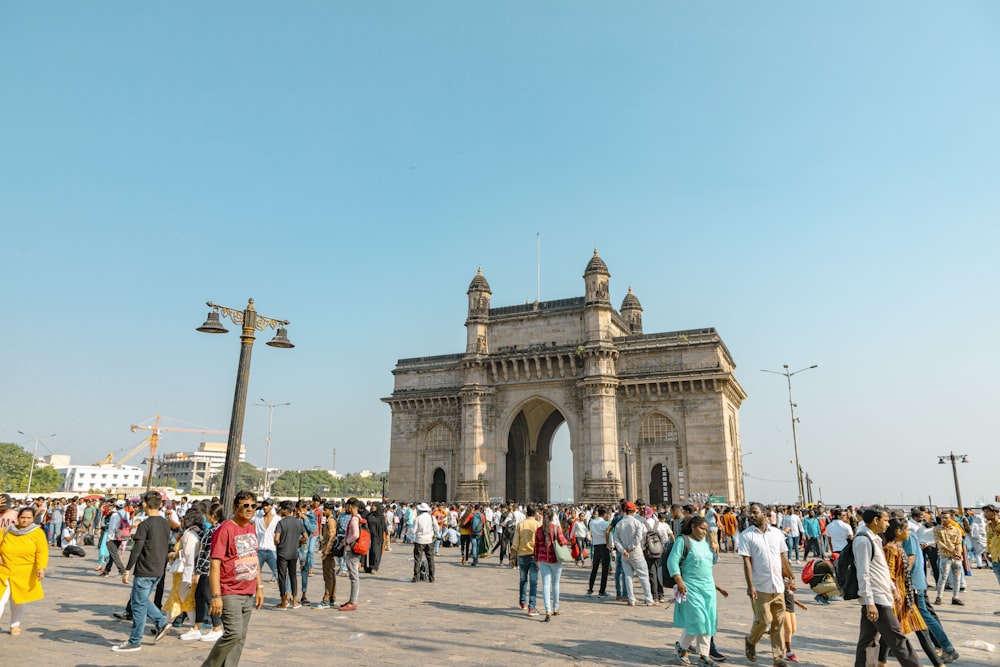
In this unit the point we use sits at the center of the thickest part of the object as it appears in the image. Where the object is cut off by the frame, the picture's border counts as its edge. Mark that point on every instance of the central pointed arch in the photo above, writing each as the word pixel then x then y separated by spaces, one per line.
pixel 529 450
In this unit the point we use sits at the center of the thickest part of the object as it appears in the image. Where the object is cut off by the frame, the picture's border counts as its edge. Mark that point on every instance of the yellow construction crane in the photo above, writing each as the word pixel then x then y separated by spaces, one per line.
pixel 110 458
pixel 154 440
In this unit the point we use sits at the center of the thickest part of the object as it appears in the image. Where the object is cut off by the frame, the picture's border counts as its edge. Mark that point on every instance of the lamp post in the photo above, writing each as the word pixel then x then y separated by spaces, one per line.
pixel 34 455
pixel 627 451
pixel 791 405
pixel 250 321
pixel 385 478
pixel 955 460
pixel 270 419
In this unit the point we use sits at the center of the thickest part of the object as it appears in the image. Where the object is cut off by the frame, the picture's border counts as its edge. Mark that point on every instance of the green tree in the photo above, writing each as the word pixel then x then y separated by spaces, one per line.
pixel 14 465
pixel 169 482
pixel 248 477
pixel 309 481
pixel 355 485
pixel 45 479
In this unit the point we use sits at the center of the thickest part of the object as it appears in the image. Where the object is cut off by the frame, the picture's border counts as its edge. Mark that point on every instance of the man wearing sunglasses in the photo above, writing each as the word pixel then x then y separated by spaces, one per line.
pixel 235 580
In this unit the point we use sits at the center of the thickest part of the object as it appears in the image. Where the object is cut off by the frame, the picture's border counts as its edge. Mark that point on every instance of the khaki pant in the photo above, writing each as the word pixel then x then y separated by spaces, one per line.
pixel 769 610
pixel 329 578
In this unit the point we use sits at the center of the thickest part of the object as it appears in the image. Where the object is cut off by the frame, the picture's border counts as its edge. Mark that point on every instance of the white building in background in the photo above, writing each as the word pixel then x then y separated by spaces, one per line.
pixel 194 470
pixel 100 478
pixel 57 460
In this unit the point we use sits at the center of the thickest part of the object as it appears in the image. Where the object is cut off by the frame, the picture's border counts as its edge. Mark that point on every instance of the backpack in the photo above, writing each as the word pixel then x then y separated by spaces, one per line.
pixel 846 572
pixel 476 525
pixel 125 526
pixel 687 550
pixel 807 571
pixel 364 541
pixel 653 544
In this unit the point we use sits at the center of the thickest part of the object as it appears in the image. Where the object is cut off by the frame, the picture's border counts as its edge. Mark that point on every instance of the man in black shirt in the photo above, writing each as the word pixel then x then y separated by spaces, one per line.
pixel 148 560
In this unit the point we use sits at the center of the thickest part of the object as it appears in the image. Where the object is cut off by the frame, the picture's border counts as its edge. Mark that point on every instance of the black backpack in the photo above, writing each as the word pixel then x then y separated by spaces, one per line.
pixel 653 544
pixel 846 571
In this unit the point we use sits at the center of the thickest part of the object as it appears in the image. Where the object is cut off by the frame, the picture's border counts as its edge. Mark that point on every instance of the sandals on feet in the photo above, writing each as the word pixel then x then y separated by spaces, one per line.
pixel 682 655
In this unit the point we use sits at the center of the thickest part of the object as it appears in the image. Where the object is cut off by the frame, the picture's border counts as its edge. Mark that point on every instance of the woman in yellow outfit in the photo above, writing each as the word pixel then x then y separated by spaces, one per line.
pixel 24 555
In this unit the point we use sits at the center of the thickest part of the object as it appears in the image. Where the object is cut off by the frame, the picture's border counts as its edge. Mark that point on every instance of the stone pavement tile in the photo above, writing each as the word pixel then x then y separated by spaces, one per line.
pixel 469 617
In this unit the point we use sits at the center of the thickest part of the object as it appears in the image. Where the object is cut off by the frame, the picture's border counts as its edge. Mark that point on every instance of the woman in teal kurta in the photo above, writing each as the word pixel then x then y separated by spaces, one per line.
pixel 695 612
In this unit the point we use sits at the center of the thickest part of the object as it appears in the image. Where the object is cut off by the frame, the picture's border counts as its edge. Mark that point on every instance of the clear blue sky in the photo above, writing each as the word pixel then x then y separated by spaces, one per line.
pixel 819 182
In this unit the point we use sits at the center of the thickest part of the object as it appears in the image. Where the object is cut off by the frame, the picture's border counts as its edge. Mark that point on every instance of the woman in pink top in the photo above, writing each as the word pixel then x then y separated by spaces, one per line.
pixel 548 565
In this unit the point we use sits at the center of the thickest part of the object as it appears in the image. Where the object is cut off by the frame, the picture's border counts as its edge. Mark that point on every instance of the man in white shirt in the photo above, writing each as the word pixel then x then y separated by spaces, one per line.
pixel 265 521
pixel 765 565
pixel 876 593
pixel 601 556
pixel 424 527
pixel 839 532
pixel 791 524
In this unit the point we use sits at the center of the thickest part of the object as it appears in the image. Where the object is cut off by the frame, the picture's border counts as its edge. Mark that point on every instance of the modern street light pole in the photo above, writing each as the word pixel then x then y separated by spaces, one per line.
pixel 270 419
pixel 250 321
pixel 34 455
pixel 955 459
pixel 627 451
pixel 791 405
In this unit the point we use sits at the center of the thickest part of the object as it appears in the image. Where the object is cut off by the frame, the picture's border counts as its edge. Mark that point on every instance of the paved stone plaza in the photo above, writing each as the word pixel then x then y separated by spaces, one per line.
pixel 469 616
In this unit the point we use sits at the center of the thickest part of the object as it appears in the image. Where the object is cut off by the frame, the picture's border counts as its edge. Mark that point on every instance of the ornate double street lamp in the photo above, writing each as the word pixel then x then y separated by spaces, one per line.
pixel 627 451
pixel 955 459
pixel 34 455
pixel 251 322
pixel 791 404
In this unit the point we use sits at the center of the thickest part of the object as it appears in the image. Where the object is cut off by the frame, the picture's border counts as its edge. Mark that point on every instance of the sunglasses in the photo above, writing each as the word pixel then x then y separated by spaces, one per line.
pixel 246 505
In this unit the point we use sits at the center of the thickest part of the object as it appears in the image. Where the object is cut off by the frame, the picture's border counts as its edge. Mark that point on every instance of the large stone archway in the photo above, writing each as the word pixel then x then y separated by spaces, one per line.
pixel 529 451
pixel 486 417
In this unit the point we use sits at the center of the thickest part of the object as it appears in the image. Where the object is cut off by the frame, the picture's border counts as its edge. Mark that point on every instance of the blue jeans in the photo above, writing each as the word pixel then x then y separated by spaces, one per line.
pixel 474 541
pixel 996 570
pixel 551 573
pixel 310 559
pixel 933 624
pixel 142 588
pixel 270 558
pixel 529 575
pixel 619 575
pixel 793 544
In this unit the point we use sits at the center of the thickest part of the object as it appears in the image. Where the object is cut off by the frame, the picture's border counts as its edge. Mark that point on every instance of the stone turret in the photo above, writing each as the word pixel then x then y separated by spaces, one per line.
pixel 477 323
pixel 632 312
pixel 597 308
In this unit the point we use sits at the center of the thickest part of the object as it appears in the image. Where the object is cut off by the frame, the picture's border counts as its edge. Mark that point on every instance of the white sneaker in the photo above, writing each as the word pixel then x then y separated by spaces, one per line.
pixel 191 635
pixel 126 647
pixel 211 636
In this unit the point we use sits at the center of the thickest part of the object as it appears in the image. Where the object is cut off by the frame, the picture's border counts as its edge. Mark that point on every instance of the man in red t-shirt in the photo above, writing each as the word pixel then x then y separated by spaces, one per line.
pixel 235 580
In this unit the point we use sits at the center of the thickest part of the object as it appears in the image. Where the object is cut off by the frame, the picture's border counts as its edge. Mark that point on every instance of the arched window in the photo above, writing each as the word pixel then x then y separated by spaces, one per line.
pixel 439 437
pixel 657 429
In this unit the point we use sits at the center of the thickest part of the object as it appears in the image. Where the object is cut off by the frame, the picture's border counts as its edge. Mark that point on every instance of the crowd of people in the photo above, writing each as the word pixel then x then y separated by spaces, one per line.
pixel 216 567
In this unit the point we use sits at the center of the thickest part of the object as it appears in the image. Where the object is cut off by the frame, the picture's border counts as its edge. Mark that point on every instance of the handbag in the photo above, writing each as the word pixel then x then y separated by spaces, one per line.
pixel 563 554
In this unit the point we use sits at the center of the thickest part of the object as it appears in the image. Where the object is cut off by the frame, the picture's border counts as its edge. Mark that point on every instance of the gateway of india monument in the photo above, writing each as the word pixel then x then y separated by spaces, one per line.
pixel 658 411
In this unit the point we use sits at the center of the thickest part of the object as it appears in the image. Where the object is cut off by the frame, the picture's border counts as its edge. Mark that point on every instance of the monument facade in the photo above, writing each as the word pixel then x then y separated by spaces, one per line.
pixel 659 412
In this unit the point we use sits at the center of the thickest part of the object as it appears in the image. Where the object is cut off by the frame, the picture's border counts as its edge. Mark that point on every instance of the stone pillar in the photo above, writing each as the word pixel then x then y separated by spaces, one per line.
pixel 601 480
pixel 476 455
